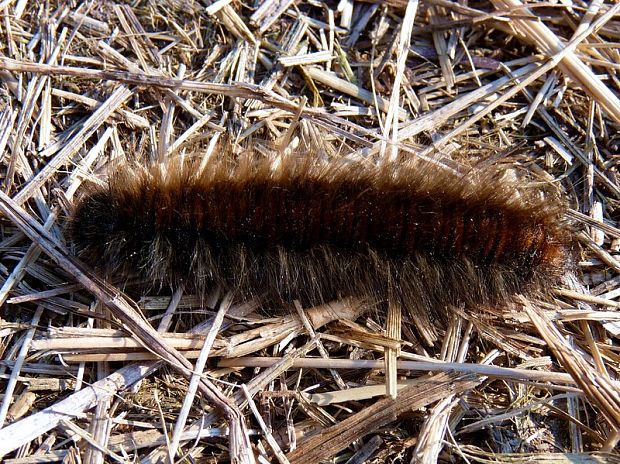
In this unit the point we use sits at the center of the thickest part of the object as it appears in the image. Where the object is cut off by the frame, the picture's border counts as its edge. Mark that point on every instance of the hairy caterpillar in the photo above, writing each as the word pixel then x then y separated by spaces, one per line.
pixel 316 230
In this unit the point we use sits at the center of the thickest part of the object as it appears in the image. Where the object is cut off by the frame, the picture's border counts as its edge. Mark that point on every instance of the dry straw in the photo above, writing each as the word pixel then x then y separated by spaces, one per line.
pixel 85 374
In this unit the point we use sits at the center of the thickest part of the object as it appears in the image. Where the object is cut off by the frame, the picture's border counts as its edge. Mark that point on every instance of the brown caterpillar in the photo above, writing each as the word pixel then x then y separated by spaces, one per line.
pixel 318 230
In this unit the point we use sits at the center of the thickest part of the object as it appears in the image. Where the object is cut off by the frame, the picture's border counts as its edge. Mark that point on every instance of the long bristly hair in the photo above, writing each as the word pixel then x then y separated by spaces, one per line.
pixel 314 229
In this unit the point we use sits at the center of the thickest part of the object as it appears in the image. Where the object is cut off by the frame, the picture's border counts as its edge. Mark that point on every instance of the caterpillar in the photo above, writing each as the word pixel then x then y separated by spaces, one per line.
pixel 314 229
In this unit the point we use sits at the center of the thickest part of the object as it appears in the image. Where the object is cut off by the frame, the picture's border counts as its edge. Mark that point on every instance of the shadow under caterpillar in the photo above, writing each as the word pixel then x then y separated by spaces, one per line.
pixel 318 230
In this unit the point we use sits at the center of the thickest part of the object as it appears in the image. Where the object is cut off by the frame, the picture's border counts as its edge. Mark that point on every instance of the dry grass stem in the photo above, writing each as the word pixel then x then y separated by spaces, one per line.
pixel 118 370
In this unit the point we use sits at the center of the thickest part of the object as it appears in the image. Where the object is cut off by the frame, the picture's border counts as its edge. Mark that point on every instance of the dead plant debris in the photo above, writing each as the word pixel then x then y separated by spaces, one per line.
pixel 93 374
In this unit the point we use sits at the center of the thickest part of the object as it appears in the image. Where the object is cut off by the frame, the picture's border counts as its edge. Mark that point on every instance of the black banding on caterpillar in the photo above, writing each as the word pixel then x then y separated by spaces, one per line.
pixel 319 230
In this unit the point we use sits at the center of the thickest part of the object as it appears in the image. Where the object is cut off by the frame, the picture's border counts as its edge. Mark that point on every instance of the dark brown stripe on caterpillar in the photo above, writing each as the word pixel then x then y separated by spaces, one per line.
pixel 318 230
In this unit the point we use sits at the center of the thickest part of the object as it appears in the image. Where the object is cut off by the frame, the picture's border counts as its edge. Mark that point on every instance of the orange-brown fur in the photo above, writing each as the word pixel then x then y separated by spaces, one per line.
pixel 316 230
